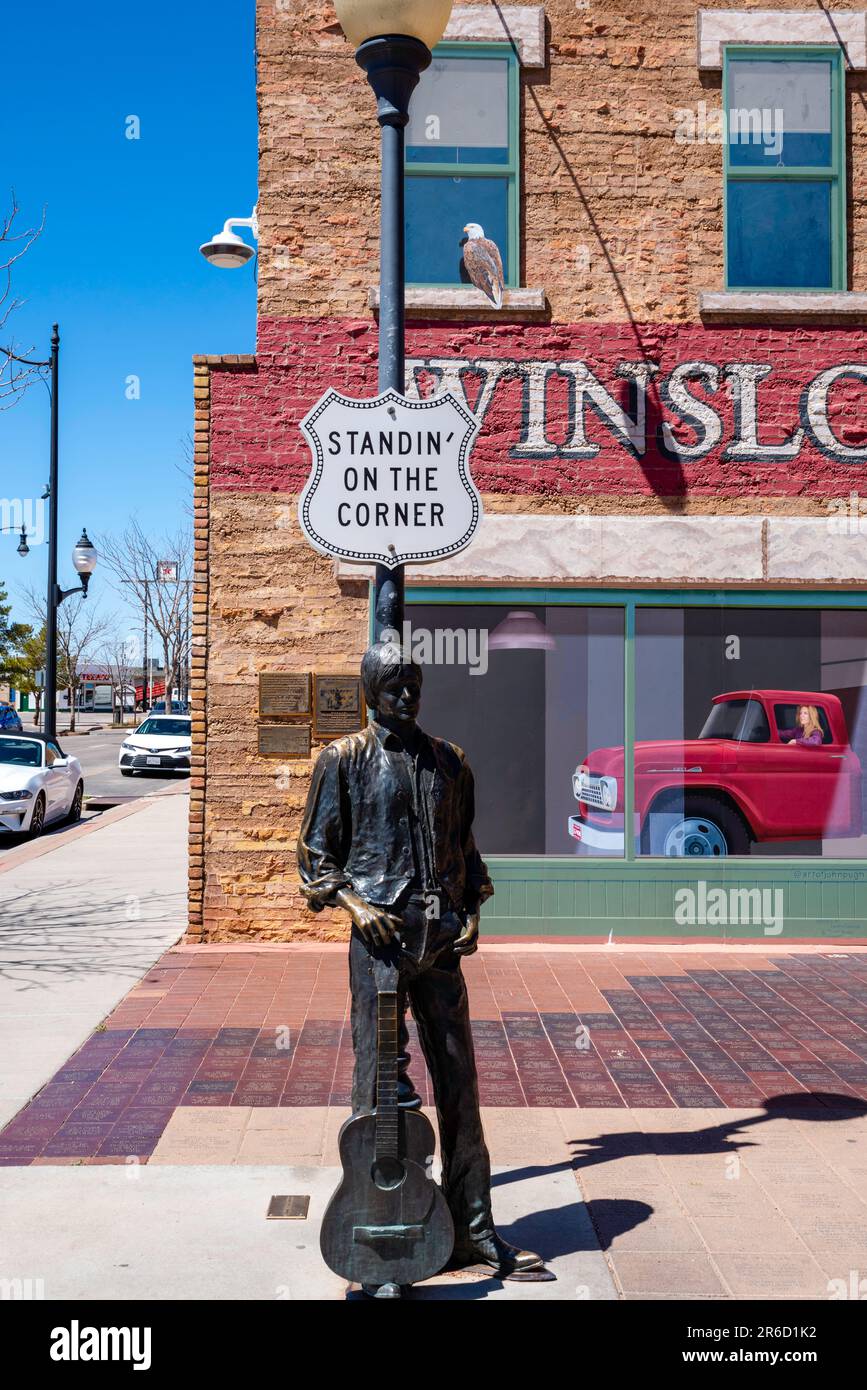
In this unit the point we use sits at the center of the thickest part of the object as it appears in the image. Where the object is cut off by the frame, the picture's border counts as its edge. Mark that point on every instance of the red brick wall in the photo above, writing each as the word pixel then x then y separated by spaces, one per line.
pixel 256 445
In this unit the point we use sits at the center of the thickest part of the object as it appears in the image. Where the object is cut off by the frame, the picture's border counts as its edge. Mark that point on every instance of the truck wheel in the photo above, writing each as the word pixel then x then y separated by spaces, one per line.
pixel 704 827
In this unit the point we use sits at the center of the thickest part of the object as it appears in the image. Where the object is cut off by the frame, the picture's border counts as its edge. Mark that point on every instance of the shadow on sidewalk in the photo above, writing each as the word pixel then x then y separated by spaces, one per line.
pixel 48 933
pixel 613 1217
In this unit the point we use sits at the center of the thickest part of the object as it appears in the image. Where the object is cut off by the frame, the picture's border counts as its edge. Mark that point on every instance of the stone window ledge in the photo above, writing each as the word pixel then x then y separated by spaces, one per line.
pixel 522 25
pixel 714 28
pixel 737 306
pixel 421 302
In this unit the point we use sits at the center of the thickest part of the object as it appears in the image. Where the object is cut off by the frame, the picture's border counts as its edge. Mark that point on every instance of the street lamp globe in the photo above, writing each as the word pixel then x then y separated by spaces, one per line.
pixel 23 547
pixel 424 20
pixel 84 558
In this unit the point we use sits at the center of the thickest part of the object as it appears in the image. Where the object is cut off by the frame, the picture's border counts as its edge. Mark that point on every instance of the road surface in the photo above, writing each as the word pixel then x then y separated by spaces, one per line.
pixel 98 753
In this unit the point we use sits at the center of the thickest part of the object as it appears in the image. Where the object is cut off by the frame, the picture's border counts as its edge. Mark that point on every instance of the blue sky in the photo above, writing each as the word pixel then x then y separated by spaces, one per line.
pixel 117 265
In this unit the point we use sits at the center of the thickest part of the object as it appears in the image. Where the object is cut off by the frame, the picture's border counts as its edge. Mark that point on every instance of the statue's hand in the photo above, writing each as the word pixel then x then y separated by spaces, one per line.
pixel 377 926
pixel 468 941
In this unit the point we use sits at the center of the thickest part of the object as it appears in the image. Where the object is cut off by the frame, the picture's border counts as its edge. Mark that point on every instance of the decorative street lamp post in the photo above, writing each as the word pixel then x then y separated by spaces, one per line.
pixel 84 555
pixel 84 558
pixel 23 547
pixel 394 39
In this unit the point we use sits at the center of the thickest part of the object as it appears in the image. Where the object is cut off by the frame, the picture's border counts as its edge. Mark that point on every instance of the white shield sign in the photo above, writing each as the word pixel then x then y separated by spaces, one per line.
pixel 390 481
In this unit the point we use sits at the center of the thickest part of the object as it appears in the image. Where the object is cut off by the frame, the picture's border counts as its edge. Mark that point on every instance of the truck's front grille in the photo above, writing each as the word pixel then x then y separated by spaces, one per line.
pixel 599 792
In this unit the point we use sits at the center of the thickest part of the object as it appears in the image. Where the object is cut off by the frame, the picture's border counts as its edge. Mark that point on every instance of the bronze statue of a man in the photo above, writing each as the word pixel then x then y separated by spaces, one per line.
pixel 388 835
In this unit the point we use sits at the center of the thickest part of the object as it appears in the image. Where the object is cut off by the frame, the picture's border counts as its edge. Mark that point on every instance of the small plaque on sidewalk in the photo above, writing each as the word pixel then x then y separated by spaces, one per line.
pixel 288 1208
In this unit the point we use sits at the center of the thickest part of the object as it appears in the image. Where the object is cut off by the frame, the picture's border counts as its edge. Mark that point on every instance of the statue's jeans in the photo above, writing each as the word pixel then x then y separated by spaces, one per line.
pixel 432 983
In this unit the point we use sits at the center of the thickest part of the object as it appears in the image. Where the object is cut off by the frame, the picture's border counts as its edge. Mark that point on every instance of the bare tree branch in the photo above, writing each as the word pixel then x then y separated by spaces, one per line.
pixel 135 560
pixel 81 630
pixel 17 369
pixel 118 658
pixel 186 471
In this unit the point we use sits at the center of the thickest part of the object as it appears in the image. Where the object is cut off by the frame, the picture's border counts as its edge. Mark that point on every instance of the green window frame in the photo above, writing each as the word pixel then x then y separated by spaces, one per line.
pixel 833 174
pixel 634 895
pixel 510 171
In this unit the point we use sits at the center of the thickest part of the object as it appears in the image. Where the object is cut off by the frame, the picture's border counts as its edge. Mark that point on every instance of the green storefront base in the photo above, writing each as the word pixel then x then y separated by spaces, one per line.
pixel 601 900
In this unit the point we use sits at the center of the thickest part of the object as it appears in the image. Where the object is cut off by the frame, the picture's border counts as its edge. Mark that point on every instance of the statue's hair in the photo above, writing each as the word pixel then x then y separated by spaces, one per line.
pixel 383 662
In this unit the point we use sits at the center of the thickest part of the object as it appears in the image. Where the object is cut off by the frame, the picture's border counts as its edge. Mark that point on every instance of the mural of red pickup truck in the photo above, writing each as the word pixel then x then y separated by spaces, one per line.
pixel 749 778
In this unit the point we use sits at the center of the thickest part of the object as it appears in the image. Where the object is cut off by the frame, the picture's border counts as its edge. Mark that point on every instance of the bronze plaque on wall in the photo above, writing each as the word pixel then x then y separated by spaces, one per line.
pixel 284 740
pixel 338 705
pixel 284 693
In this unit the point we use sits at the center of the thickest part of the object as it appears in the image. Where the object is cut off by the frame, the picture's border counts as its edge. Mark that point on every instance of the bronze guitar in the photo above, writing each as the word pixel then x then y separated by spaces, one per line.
pixel 388 1221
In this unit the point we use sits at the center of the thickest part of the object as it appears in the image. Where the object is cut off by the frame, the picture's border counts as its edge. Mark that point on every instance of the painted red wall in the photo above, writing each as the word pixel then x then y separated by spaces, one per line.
pixel 256 444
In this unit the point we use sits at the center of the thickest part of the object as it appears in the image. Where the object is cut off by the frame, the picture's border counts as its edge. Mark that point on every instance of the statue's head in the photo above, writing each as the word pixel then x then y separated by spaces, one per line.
pixel 392 682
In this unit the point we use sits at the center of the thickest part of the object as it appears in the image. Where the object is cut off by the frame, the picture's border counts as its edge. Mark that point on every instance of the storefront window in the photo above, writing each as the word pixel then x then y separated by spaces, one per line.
pixel 742 729
pixel 750 732
pixel 527 692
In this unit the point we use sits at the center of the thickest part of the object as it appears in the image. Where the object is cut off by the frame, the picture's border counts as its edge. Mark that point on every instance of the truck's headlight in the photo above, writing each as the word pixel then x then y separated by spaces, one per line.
pixel 609 793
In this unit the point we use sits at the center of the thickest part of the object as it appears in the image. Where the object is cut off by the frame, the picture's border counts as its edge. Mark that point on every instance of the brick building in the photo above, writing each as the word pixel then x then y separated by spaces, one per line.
pixel 672 456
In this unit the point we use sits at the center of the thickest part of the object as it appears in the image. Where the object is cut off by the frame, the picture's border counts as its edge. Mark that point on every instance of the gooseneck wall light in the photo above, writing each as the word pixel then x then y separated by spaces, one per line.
pixel 228 250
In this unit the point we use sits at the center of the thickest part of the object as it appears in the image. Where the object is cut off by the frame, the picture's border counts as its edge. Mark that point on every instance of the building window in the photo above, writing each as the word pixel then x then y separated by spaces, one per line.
pixel 785 196
pixel 462 161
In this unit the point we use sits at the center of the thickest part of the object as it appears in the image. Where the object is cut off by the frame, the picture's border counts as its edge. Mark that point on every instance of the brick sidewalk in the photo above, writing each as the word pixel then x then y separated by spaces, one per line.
pixel 710 1105
pixel 556 1029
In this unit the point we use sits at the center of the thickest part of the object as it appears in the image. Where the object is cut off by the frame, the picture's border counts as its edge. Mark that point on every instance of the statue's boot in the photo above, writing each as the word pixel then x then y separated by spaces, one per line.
pixel 497 1254
pixel 382 1290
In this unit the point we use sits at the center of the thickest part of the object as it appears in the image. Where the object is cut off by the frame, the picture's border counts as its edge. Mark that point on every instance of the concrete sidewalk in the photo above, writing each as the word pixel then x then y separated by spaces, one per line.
pixel 201 1232
pixel 82 918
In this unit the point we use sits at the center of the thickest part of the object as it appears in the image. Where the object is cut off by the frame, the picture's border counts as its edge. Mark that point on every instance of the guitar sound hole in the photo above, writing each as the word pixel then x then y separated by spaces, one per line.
pixel 388 1173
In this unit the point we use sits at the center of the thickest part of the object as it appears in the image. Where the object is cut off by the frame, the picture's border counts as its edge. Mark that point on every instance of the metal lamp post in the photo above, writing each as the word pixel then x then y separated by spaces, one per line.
pixel 84 555
pixel 394 39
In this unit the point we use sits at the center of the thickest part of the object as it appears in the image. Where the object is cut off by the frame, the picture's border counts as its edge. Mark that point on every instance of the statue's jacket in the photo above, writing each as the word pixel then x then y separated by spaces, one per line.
pixel 356 828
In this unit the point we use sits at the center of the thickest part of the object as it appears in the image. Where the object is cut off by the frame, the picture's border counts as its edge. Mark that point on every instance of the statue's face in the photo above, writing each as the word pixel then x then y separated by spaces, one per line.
pixel 400 697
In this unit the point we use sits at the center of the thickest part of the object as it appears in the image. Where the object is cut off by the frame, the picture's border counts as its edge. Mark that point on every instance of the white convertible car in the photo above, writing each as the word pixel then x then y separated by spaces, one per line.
pixel 39 784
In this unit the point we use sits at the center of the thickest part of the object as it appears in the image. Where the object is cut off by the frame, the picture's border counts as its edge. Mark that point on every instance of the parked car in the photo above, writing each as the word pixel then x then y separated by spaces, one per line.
pixel 10 719
pixel 39 784
pixel 161 741
pixel 739 783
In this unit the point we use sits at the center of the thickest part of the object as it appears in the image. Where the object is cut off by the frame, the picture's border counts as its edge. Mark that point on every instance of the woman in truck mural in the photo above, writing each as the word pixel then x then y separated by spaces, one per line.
pixel 808 730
